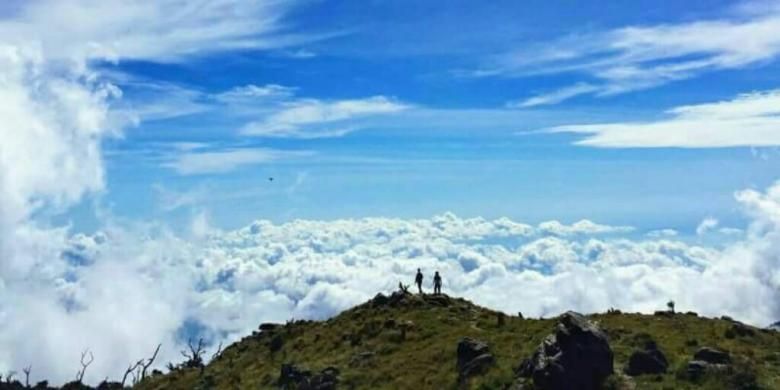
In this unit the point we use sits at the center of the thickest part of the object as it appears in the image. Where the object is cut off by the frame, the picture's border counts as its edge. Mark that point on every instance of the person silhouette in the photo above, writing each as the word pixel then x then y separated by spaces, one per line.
pixel 418 280
pixel 437 283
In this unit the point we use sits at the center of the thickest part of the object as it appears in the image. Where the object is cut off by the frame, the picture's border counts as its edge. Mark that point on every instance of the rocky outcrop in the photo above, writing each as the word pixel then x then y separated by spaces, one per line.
pixel 293 377
pixel 712 356
pixel 649 360
pixel 707 359
pixel 474 358
pixel 576 356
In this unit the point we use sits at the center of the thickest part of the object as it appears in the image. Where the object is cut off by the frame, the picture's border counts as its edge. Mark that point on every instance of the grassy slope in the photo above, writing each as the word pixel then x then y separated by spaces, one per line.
pixel 426 357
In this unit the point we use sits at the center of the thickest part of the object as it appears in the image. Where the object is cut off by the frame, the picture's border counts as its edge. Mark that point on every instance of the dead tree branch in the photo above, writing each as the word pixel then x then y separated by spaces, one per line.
pixel 195 355
pixel 149 362
pixel 84 364
pixel 218 352
pixel 130 369
pixel 26 371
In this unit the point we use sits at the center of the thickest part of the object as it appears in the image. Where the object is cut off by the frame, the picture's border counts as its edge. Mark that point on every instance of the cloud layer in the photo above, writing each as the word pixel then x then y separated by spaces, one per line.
pixel 124 289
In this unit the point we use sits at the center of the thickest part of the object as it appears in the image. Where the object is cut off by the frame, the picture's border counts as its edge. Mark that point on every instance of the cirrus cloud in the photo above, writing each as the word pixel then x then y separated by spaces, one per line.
pixel 748 120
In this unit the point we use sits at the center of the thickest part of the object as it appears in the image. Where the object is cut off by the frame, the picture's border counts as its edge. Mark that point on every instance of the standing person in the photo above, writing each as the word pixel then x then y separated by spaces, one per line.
pixel 437 283
pixel 418 280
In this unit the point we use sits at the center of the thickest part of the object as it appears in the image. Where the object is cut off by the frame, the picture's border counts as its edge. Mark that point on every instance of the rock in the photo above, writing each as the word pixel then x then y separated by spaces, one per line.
pixel 390 323
pixel 696 369
pixel 739 329
pixel 294 377
pixel 327 379
pixel 691 313
pixel 109 386
pixel 664 313
pixel 648 361
pixel 267 326
pixel 380 300
pixel 474 358
pixel 291 374
pixel 712 356
pixel 576 357
pixel 726 318
pixel 437 300
pixel 775 326
pixel 478 366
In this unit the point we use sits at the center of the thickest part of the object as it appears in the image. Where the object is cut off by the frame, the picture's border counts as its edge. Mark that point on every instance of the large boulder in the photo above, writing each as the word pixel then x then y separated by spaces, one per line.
pixel 707 359
pixel 474 358
pixel 576 356
pixel 712 356
pixel 650 360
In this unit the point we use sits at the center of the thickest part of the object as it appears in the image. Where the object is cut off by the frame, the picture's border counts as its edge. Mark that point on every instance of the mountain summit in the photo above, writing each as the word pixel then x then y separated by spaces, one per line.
pixel 406 341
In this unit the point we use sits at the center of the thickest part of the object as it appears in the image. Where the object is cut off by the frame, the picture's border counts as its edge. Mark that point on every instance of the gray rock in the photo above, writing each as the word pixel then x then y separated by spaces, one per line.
pixel 712 356
pixel 576 357
pixel 380 300
pixel 474 358
pixel 293 377
pixel 650 360
pixel 696 369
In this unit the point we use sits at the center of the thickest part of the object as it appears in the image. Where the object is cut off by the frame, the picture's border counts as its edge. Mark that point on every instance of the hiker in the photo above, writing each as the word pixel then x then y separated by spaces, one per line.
pixel 437 283
pixel 418 280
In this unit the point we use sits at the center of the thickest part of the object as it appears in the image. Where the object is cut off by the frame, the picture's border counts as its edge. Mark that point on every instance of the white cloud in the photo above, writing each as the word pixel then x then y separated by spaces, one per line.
pixel 164 30
pixel 748 120
pixel 706 225
pixel 57 109
pixel 208 162
pixel 253 92
pixel 555 96
pixel 661 233
pixel 312 118
pixel 639 57
pixel 300 54
pixel 581 227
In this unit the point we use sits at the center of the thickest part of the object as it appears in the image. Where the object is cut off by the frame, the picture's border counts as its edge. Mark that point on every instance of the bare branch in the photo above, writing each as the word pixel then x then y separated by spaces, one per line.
pixel 84 364
pixel 218 352
pixel 26 371
pixel 195 355
pixel 129 370
pixel 149 361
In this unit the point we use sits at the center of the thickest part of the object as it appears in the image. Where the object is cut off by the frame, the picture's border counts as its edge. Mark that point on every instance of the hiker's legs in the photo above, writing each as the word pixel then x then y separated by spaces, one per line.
pixel 419 288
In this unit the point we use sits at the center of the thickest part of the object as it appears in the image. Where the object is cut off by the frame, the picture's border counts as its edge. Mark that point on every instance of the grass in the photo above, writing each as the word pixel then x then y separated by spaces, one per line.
pixel 371 355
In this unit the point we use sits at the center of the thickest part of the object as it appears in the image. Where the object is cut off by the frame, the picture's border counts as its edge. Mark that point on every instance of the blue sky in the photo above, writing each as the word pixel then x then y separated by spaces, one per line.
pixel 460 132
pixel 568 155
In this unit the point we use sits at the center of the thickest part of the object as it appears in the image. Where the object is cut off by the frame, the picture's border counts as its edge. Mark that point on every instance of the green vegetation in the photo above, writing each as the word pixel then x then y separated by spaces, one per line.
pixel 413 346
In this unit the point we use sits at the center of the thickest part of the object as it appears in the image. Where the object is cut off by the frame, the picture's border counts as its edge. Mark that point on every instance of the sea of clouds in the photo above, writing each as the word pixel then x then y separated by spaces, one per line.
pixel 122 290
pixel 132 285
